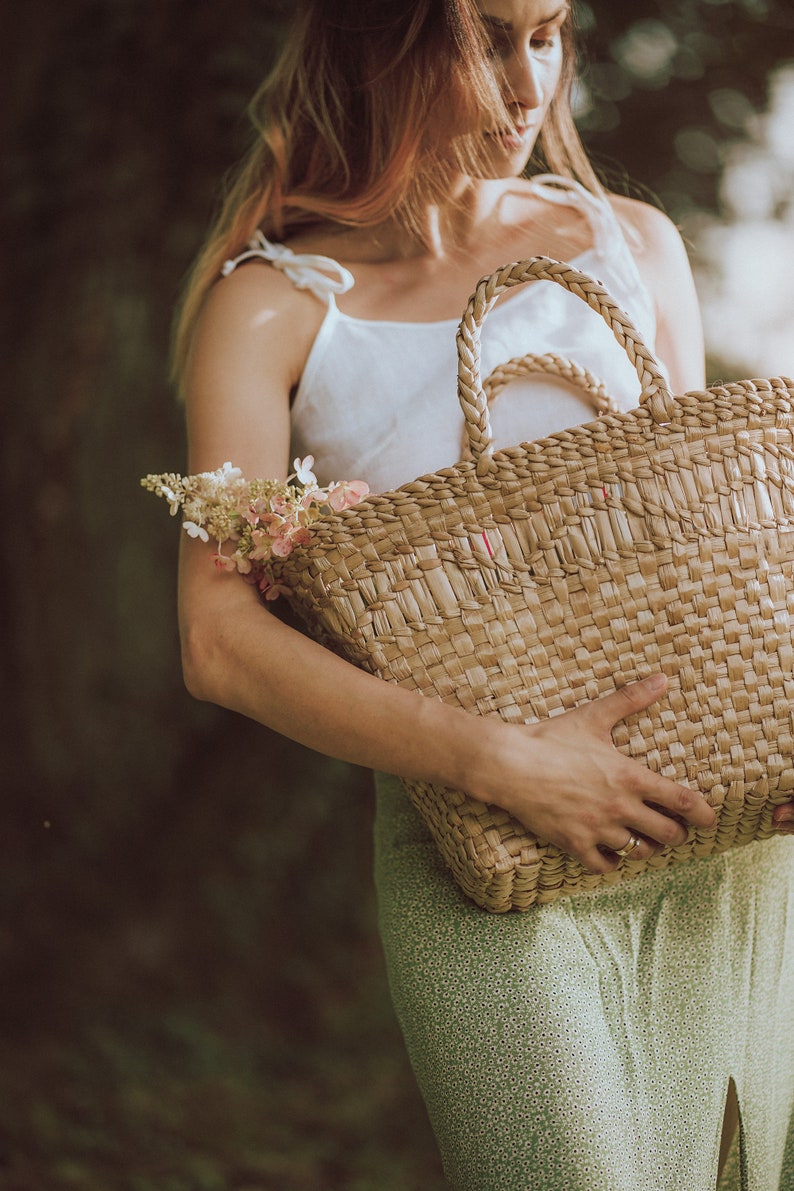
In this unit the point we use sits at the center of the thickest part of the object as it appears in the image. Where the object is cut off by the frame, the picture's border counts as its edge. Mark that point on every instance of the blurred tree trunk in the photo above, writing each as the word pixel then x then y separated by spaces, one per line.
pixel 122 118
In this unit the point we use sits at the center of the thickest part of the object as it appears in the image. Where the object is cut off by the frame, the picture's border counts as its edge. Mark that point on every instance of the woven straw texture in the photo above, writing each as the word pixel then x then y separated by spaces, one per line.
pixel 523 582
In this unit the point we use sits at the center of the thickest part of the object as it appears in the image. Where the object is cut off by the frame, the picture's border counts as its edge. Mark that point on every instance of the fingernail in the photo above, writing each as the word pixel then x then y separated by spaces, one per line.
pixel 656 682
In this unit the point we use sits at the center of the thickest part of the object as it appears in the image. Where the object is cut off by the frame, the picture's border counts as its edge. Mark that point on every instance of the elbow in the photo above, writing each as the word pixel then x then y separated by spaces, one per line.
pixel 214 612
pixel 199 661
pixel 218 626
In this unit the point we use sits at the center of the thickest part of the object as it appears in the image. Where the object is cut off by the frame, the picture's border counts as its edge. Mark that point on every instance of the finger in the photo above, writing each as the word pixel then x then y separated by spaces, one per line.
pixel 610 709
pixel 676 800
pixel 783 817
pixel 662 829
pixel 665 802
pixel 596 861
pixel 631 847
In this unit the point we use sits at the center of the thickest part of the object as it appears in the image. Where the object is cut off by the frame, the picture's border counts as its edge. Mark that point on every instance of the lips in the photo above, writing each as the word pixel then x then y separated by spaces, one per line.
pixel 513 138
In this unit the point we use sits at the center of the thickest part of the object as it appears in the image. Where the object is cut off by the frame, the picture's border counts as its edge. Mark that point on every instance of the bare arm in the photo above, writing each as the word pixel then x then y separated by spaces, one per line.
pixel 563 777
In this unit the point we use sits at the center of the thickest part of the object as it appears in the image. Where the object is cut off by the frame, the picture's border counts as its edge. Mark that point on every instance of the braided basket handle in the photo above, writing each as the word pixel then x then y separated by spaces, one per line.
pixel 655 392
pixel 551 364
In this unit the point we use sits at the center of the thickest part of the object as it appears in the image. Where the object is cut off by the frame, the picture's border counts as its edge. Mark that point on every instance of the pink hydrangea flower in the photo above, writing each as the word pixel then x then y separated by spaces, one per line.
pixel 279 504
pixel 270 590
pixel 223 562
pixel 345 493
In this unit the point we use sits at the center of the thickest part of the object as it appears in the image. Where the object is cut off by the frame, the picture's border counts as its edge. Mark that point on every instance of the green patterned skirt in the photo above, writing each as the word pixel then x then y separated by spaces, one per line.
pixel 587 1045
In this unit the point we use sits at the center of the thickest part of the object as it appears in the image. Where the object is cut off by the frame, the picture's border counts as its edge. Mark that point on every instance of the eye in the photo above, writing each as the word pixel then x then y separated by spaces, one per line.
pixel 499 46
pixel 546 37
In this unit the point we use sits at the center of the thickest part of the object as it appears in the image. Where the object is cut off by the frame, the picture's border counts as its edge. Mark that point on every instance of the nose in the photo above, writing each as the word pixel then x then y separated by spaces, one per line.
pixel 524 79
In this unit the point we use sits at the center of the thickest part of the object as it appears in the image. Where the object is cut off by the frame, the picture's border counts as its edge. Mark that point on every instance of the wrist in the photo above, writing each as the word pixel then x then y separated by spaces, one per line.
pixel 470 752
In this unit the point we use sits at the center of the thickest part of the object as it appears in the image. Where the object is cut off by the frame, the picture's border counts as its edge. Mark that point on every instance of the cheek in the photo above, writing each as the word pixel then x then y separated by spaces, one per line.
pixel 552 76
pixel 458 116
pixel 444 135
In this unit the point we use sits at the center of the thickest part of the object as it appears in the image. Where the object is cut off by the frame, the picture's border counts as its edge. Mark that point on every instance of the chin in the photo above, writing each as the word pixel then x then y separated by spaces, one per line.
pixel 506 156
pixel 503 165
pixel 491 156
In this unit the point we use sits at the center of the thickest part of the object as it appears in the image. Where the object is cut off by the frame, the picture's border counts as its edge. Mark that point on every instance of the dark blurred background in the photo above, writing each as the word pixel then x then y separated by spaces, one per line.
pixel 192 995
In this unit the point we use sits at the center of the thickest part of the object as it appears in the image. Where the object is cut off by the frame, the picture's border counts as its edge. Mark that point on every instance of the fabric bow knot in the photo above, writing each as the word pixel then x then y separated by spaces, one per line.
pixel 306 270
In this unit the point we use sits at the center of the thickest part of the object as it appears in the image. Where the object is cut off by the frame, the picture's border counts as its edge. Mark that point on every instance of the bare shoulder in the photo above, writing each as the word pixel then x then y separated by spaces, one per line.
pixel 256 314
pixel 662 260
pixel 251 344
pixel 652 234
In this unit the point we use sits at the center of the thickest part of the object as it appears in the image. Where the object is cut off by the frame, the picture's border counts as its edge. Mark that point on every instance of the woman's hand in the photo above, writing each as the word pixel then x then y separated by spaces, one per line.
pixel 783 818
pixel 578 792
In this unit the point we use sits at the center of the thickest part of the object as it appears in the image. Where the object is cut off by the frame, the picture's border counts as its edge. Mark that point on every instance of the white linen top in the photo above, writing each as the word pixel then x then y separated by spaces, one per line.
pixel 378 400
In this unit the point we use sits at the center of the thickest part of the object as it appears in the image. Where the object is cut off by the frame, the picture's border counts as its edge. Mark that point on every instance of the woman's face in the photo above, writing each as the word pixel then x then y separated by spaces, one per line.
pixel 526 41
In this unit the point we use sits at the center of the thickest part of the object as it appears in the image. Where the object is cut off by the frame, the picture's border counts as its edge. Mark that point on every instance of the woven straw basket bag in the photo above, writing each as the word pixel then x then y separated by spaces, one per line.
pixel 523 582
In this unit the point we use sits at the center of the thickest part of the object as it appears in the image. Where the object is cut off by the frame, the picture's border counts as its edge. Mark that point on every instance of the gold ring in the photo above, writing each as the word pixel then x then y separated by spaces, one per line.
pixel 632 843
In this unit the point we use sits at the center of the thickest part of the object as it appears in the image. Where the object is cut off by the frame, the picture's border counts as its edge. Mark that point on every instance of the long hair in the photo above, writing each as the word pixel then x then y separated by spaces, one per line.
pixel 347 122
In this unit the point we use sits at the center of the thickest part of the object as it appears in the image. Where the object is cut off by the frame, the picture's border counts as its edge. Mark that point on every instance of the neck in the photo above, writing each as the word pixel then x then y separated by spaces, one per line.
pixel 444 229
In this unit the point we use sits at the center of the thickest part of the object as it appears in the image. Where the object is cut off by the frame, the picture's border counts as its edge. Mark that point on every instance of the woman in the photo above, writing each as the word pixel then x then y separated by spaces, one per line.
pixel 589 1044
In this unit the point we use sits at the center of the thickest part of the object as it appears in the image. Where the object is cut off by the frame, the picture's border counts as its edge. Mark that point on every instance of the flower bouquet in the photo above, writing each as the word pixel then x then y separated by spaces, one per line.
pixel 263 519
